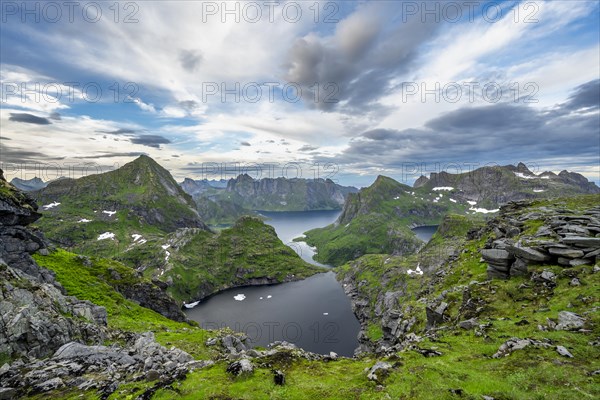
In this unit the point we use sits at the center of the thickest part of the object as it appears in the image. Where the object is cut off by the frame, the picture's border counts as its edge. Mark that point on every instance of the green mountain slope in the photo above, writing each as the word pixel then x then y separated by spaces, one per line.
pixel 377 220
pixel 249 253
pixel 140 198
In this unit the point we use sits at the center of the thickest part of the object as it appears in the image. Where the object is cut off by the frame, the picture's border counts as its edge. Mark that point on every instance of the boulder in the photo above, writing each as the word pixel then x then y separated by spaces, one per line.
pixel 435 315
pixel 527 253
pixel 563 351
pixel 569 321
pixel 239 367
pixel 582 241
pixel 568 253
pixel 379 371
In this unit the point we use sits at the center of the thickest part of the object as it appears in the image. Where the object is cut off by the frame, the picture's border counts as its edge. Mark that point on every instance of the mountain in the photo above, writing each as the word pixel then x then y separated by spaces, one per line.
pixel 249 253
pixel 282 194
pixel 194 187
pixel 491 187
pixel 100 213
pixel 220 211
pixel 28 185
pixel 376 219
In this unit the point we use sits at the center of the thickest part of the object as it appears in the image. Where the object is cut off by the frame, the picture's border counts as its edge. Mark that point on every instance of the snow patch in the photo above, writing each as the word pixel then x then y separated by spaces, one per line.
pixel 397 198
pixel 452 200
pixel 325 313
pixel 471 202
pixel 448 188
pixel 191 305
pixel 51 205
pixel 136 237
pixel 523 176
pixel 239 297
pixel 483 210
pixel 167 255
pixel 109 213
pixel 269 296
pixel 418 271
pixel 260 298
pixel 106 235
pixel 538 190
pixel 165 246
pixel 83 221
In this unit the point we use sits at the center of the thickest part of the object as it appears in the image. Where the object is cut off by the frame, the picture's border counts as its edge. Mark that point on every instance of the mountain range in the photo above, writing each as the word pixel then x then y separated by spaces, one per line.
pixel 377 219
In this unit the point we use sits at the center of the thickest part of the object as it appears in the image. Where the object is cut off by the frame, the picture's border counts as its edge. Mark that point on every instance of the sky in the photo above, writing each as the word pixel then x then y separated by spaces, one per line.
pixel 345 90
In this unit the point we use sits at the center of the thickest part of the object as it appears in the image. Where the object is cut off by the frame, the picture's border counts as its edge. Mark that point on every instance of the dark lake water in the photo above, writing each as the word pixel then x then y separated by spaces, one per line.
pixel 425 232
pixel 314 314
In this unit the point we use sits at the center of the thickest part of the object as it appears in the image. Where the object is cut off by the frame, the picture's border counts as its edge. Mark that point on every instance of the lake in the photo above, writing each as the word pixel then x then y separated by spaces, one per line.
pixel 315 314
pixel 425 232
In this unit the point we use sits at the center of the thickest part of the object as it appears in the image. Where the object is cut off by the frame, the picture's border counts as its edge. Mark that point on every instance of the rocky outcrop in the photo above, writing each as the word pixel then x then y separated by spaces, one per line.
pixel 492 186
pixel 154 297
pixel 35 316
pixel 564 237
pixel 84 367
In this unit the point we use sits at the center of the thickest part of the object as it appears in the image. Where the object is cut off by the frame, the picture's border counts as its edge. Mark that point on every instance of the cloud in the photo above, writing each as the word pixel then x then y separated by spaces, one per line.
pixel 586 96
pixel 501 131
pixel 29 119
pixel 245 144
pixel 308 147
pixel 55 116
pixel 361 59
pixel 113 155
pixel 150 140
pixel 190 59
pixel 120 131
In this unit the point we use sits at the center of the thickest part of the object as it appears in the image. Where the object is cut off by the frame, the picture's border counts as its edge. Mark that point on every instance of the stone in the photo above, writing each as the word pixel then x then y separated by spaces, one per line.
pixel 435 316
pixel 497 256
pixel 50 384
pixel 527 253
pixel 469 323
pixel 568 321
pixel 152 375
pixel 493 273
pixel 582 241
pixel 8 393
pixel 579 261
pixel 568 253
pixel 239 367
pixel 279 377
pixel 563 351
pixel 575 282
pixel 379 371
pixel 519 268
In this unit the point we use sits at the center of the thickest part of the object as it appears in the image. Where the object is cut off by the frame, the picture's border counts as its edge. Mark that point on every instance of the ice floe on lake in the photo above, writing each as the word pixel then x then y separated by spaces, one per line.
pixel 239 297
pixel 191 305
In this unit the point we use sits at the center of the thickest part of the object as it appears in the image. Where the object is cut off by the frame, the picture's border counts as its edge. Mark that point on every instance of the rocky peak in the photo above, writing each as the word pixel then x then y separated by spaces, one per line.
pixel 421 181
pixel 16 208
pixel 522 168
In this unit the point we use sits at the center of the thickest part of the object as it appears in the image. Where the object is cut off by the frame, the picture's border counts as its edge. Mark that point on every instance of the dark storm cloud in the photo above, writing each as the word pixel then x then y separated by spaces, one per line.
pixel 245 144
pixel 150 140
pixel 481 134
pixel 29 119
pixel 15 155
pixel 584 96
pixel 366 53
pixel 55 116
pixel 190 60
